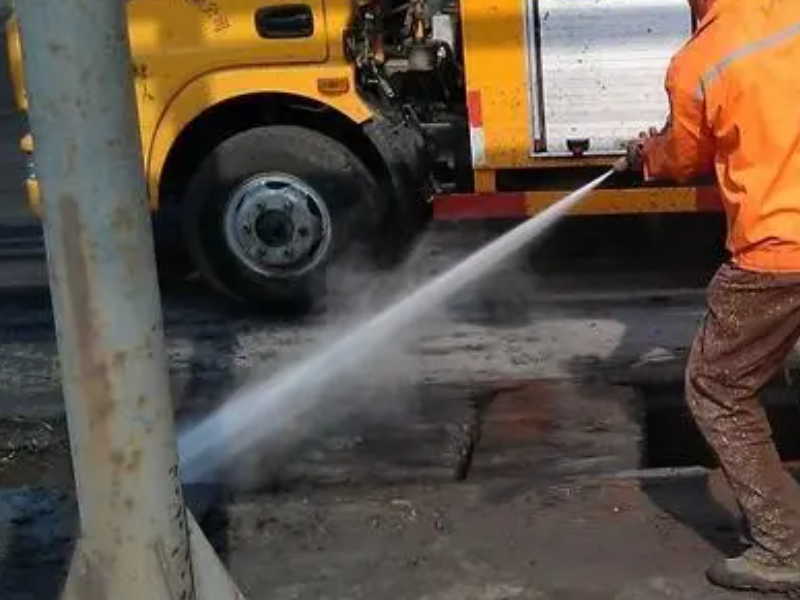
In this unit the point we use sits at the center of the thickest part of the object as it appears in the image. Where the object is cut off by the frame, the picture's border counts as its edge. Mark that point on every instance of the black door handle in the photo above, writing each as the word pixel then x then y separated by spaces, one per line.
pixel 285 21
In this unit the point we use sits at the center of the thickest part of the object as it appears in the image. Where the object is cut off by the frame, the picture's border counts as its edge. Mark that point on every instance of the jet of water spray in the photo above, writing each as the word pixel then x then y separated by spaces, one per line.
pixel 266 409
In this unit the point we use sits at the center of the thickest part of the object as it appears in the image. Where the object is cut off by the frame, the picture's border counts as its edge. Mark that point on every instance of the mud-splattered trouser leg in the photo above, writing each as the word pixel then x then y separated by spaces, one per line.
pixel 753 321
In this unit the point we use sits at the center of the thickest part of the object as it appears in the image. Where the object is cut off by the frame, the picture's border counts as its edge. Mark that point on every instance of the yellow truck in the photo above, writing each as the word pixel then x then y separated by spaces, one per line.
pixel 281 132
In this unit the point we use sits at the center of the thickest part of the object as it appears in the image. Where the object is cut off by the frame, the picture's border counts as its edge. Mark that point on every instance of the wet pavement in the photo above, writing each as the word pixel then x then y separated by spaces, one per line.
pixel 546 510
pixel 511 446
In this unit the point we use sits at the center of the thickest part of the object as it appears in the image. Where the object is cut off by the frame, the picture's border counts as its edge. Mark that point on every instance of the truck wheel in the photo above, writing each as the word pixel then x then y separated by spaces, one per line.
pixel 269 209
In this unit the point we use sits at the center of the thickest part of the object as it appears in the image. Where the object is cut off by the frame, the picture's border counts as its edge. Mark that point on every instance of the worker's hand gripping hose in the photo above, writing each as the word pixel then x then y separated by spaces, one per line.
pixel 634 152
pixel 632 161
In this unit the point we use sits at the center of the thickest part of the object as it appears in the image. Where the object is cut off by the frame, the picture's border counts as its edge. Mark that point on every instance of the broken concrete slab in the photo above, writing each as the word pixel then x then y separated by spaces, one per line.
pixel 427 433
pixel 541 429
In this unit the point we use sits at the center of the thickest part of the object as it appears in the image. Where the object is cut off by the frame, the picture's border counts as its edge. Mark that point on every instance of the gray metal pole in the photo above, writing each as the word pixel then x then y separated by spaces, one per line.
pixel 135 531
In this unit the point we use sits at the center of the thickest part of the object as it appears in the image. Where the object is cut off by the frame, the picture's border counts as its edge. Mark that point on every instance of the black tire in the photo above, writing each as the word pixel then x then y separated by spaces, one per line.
pixel 324 168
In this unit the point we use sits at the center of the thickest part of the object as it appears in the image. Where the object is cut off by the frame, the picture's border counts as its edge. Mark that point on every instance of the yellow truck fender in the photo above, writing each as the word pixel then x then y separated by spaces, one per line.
pixel 332 85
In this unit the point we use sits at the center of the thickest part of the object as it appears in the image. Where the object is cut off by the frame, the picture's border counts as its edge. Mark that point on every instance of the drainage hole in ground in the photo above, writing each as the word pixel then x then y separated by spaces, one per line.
pixel 671 439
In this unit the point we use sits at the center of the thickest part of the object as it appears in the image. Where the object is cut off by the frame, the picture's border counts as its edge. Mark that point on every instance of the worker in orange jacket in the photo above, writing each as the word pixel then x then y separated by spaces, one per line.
pixel 734 91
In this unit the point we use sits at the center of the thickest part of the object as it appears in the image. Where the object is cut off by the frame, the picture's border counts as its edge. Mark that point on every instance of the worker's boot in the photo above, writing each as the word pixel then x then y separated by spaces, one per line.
pixel 755 570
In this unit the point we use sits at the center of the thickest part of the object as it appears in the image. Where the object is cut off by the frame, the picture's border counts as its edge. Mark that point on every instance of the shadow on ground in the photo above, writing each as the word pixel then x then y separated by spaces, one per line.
pixel 37 542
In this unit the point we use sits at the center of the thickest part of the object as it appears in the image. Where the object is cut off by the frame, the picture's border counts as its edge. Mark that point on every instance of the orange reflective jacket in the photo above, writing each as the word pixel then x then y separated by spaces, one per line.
pixel 734 92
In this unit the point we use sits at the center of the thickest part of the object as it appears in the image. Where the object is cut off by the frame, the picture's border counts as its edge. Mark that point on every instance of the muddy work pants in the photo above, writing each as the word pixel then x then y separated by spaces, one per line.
pixel 752 323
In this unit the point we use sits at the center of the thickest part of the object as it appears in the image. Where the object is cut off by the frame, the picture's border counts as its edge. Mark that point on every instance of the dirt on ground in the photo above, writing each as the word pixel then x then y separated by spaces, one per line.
pixel 530 490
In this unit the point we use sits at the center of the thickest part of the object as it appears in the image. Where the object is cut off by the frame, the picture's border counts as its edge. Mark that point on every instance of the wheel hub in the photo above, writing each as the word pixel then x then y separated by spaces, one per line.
pixel 275 228
pixel 277 225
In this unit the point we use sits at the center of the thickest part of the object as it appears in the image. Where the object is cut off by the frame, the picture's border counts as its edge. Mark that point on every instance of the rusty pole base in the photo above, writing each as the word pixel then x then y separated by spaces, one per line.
pixel 87 579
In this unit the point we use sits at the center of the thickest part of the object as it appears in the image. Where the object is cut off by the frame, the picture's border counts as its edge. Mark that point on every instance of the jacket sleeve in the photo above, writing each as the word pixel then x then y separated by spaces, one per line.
pixel 685 148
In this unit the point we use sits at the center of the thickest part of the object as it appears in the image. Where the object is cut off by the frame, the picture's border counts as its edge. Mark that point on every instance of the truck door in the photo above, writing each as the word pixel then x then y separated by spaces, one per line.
pixel 194 36
pixel 597 70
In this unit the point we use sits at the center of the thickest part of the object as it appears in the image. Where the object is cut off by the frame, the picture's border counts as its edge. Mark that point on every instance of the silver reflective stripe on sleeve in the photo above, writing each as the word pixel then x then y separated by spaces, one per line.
pixel 747 50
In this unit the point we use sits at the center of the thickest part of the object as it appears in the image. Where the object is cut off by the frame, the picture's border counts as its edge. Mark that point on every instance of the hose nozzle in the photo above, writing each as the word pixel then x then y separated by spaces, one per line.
pixel 621 165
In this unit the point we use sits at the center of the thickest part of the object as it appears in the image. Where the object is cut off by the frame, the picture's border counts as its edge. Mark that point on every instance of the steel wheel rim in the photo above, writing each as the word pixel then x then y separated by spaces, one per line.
pixel 277 225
